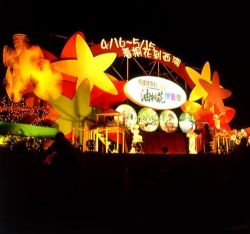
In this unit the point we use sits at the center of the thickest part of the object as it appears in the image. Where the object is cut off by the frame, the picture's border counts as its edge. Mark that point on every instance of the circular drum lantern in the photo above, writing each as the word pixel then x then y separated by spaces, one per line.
pixel 168 121
pixel 186 122
pixel 148 119
pixel 129 117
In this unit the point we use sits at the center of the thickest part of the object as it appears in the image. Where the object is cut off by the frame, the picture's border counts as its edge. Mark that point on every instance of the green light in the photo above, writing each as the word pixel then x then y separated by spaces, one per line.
pixel 26 130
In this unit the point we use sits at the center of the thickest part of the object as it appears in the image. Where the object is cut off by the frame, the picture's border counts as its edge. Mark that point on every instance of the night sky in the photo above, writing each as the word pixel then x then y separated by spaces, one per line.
pixel 194 32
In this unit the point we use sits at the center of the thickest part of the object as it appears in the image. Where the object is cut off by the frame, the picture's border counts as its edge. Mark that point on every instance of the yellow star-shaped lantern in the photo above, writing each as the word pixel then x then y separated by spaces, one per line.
pixel 198 91
pixel 216 93
pixel 86 66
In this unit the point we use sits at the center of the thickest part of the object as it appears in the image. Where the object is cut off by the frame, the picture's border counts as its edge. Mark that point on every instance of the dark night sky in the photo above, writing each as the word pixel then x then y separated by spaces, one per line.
pixel 194 32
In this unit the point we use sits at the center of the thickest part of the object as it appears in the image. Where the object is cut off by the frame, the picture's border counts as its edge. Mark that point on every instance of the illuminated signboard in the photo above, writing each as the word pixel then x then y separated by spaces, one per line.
pixel 155 92
pixel 137 48
pixel 140 48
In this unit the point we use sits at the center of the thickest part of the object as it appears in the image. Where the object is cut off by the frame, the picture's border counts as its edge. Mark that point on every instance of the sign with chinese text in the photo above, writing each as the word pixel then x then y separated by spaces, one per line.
pixel 140 48
pixel 155 92
pixel 136 48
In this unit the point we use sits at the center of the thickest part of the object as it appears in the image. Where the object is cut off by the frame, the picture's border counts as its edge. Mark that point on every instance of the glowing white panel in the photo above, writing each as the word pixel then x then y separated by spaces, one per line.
pixel 155 92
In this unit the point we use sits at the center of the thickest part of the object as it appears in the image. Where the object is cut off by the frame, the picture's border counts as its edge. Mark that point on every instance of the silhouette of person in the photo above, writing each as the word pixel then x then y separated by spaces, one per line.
pixel 64 172
pixel 206 139
pixel 165 149
pixel 90 144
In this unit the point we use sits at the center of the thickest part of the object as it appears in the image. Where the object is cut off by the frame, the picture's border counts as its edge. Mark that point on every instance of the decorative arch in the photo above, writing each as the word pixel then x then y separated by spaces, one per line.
pixel 136 48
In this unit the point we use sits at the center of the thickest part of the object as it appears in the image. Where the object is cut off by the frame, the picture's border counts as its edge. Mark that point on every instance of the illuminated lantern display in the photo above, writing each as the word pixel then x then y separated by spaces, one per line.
pixel 168 121
pixel 155 92
pixel 129 117
pixel 148 119
pixel 68 91
pixel 186 122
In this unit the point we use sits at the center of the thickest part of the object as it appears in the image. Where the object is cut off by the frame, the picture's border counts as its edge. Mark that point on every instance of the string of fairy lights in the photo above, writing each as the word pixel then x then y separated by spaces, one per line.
pixel 21 113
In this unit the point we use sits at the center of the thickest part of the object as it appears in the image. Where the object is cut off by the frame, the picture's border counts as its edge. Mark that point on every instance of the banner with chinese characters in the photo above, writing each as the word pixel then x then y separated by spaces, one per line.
pixel 155 92
pixel 136 48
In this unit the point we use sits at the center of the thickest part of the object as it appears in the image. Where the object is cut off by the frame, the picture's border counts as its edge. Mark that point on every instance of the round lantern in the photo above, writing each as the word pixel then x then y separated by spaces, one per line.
pixel 168 121
pixel 186 122
pixel 148 119
pixel 129 117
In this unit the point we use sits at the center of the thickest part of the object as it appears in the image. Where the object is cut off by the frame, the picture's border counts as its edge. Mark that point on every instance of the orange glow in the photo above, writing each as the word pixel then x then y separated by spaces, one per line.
pixel 216 93
pixel 28 71
pixel 212 95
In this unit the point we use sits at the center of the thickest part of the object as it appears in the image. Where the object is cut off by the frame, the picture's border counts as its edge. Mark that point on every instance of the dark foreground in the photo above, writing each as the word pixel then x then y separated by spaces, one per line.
pixel 126 194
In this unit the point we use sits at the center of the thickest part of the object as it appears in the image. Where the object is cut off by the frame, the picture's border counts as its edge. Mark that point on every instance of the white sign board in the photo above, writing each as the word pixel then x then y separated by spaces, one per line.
pixel 155 92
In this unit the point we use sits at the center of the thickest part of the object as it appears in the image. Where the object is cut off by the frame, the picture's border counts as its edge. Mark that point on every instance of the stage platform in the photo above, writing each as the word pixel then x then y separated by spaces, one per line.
pixel 125 193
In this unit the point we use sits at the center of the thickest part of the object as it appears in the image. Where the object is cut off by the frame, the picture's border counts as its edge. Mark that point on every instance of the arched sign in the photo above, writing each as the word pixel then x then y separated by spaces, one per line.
pixel 155 92
pixel 143 49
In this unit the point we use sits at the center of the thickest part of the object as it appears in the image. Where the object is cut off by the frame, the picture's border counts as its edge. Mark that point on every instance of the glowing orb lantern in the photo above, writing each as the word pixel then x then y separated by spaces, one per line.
pixel 148 119
pixel 168 121
pixel 186 122
pixel 129 117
